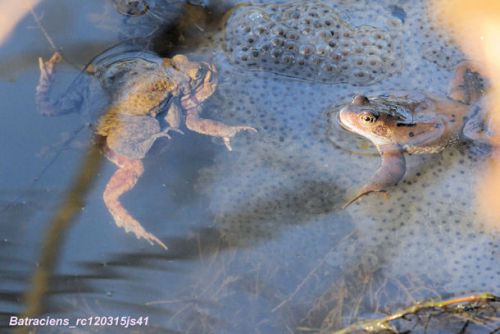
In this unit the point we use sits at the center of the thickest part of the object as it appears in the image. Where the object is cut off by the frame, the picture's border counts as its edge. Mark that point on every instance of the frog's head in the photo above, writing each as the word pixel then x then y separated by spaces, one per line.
pixel 368 119
pixel 194 70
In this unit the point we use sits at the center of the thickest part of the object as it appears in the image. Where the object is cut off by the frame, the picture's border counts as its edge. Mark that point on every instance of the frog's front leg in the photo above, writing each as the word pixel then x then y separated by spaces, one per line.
pixel 173 118
pixel 122 181
pixel 390 172
pixel 209 84
pixel 213 128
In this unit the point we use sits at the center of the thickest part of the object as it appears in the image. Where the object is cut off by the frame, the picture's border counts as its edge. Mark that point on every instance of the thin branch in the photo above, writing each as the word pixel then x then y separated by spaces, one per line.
pixel 454 305
pixel 42 29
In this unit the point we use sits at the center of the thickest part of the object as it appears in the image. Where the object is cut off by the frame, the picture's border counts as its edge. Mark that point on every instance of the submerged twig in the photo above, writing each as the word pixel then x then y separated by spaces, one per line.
pixel 459 305
pixel 42 29
pixel 297 289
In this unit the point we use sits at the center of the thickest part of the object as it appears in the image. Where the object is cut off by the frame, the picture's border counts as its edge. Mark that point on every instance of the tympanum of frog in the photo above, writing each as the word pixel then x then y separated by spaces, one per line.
pixel 145 91
pixel 414 123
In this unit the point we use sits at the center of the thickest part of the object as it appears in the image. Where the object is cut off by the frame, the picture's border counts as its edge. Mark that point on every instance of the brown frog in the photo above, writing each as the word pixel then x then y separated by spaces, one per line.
pixel 149 97
pixel 414 123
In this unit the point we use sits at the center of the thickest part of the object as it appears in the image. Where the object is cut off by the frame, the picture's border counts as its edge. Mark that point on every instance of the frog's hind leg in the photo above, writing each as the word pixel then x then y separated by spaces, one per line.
pixel 70 101
pixel 390 172
pixel 122 181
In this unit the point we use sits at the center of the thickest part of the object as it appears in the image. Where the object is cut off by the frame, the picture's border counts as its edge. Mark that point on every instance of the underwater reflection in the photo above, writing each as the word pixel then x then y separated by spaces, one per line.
pixel 51 247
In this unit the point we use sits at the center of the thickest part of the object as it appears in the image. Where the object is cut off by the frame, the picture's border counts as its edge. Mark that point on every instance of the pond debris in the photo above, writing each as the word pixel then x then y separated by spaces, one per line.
pixel 42 29
pixel 478 308
pixel 131 7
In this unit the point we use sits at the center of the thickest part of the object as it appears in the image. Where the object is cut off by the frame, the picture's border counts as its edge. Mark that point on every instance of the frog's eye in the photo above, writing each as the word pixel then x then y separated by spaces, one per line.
pixel 368 117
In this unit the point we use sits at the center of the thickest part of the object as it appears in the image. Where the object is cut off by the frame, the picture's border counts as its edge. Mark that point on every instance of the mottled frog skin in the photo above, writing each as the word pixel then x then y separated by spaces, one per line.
pixel 150 97
pixel 413 122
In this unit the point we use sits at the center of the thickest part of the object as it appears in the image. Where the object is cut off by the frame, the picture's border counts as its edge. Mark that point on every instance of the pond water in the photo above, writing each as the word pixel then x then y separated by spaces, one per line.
pixel 258 239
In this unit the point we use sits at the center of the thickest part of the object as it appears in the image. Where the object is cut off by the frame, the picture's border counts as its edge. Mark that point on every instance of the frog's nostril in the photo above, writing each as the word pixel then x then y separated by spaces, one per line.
pixel 360 100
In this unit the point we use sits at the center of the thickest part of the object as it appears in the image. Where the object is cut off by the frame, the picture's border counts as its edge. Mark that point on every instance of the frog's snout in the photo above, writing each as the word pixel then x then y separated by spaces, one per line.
pixel 343 119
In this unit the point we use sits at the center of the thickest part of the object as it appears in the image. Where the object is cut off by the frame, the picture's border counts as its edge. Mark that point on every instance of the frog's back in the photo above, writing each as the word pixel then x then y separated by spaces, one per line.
pixel 439 124
pixel 145 95
pixel 137 82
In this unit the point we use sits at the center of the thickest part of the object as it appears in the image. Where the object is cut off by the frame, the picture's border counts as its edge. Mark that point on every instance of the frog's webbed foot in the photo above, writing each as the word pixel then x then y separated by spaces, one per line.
pixel 234 130
pixel 165 133
pixel 215 129
pixel 478 127
pixel 42 96
pixel 467 85
pixel 390 172
pixel 365 190
pixel 122 181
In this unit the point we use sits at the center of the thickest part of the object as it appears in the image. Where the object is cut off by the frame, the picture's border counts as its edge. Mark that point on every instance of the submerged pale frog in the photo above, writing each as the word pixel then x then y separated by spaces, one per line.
pixel 149 97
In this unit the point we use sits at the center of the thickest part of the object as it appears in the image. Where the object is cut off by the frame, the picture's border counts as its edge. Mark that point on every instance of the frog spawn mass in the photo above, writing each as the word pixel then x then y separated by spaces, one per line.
pixel 309 40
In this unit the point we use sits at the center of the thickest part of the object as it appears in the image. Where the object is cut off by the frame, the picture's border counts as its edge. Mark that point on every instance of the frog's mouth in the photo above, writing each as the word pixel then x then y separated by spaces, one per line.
pixel 343 125
pixel 344 138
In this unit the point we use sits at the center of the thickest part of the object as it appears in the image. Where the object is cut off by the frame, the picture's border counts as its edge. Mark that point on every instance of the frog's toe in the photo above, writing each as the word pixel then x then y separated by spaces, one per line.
pixel 42 95
pixel 47 67
pixel 236 130
pixel 227 142
pixel 165 133
pixel 167 130
pixel 131 225
pixel 248 128
pixel 351 201
pixel 42 67
pixel 362 193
